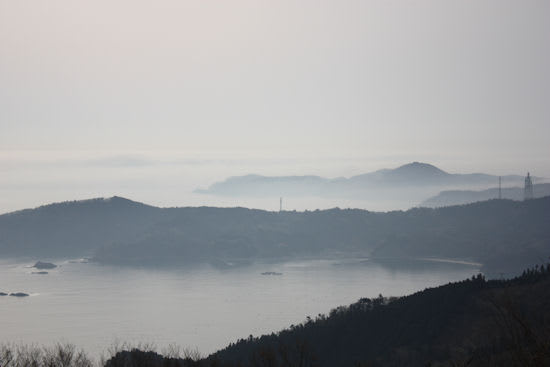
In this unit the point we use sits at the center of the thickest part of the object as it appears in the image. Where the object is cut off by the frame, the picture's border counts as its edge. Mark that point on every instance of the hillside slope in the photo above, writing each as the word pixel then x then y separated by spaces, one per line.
pixel 74 228
pixel 473 322
pixel 506 236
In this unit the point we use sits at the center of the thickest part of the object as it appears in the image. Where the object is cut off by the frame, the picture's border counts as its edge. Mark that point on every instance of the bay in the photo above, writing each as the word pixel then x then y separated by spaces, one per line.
pixel 202 306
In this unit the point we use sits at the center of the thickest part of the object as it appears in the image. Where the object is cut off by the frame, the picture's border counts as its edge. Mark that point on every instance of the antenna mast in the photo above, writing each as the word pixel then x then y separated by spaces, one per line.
pixel 528 189
pixel 499 187
pixel 280 204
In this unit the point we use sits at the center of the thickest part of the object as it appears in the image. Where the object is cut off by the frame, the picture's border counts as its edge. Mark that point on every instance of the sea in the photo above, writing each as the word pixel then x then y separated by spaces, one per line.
pixel 202 307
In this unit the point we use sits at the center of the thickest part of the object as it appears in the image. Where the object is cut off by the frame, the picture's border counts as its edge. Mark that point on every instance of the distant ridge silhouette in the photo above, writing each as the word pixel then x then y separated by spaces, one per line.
pixel 459 197
pixel 415 175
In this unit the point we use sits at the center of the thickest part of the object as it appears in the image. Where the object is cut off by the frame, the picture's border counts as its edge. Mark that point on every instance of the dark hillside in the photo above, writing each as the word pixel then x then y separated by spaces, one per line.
pixel 501 234
pixel 73 228
pixel 474 322
pixel 484 323
pixel 506 236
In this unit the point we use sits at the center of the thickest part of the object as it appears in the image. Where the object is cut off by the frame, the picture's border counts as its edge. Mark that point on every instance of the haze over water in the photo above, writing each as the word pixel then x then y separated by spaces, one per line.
pixel 152 100
pixel 197 306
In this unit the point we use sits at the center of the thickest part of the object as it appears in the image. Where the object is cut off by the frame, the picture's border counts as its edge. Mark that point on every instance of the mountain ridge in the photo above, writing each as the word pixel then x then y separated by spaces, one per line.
pixel 460 197
pixel 503 235
pixel 422 178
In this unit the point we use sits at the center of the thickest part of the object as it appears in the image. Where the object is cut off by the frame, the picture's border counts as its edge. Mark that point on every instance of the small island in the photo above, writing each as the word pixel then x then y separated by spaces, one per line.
pixel 40 272
pixel 271 273
pixel 3 294
pixel 19 294
pixel 44 265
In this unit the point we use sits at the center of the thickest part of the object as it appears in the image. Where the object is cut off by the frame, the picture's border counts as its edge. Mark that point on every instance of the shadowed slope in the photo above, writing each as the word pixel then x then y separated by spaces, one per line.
pixel 506 236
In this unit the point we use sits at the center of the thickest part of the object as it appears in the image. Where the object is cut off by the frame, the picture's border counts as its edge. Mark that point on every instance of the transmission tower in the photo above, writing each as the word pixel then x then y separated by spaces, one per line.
pixel 528 189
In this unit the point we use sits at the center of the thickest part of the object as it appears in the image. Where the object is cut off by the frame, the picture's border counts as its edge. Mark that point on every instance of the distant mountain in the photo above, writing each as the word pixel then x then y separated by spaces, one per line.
pixel 415 176
pixel 458 197
pixel 415 173
pixel 504 235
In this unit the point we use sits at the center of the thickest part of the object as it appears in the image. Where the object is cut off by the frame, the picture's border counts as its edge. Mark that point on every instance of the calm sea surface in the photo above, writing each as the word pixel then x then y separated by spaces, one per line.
pixel 202 306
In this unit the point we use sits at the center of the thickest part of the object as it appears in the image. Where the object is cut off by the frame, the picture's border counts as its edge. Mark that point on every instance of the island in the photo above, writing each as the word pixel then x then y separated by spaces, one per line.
pixel 44 265
pixel 19 294
pixel 3 294
pixel 271 273
pixel 39 272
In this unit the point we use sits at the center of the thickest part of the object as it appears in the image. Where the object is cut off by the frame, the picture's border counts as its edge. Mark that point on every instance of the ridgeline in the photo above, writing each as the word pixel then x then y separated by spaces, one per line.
pixel 505 236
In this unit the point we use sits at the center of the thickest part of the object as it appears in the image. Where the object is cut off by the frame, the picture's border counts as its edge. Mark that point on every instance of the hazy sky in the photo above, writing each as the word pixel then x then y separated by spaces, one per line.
pixel 95 96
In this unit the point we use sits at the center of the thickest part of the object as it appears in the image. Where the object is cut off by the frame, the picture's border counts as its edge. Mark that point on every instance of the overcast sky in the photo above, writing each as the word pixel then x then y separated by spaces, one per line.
pixel 108 90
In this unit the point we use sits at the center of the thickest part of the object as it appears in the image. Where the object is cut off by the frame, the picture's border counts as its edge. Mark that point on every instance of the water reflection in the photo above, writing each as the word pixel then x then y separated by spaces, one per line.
pixel 205 305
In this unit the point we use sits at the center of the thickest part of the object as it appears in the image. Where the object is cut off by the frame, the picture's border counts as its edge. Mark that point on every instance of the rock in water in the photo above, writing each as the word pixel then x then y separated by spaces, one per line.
pixel 44 265
pixel 19 294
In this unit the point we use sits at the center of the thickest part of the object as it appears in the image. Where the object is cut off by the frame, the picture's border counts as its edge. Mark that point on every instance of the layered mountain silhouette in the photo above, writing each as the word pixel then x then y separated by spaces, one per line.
pixel 414 175
pixel 458 197
pixel 504 235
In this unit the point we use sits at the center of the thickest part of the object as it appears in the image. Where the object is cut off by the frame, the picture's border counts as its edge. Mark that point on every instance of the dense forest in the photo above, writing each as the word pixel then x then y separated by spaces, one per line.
pixel 474 322
pixel 506 236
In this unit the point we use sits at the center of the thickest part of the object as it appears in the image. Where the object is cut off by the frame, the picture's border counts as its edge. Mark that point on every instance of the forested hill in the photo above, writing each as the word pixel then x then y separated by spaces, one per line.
pixel 474 322
pixel 74 228
pixel 506 236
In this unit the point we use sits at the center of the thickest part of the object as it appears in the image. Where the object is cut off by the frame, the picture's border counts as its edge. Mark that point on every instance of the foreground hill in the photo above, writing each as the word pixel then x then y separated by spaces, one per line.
pixel 500 323
pixel 460 197
pixel 470 323
pixel 506 236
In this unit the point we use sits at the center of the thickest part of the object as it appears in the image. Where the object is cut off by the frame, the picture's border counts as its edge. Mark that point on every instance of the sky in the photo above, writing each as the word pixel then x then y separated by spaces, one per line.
pixel 152 99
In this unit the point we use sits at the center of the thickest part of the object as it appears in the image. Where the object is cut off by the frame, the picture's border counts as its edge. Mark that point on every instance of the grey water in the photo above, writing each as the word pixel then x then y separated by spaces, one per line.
pixel 203 307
